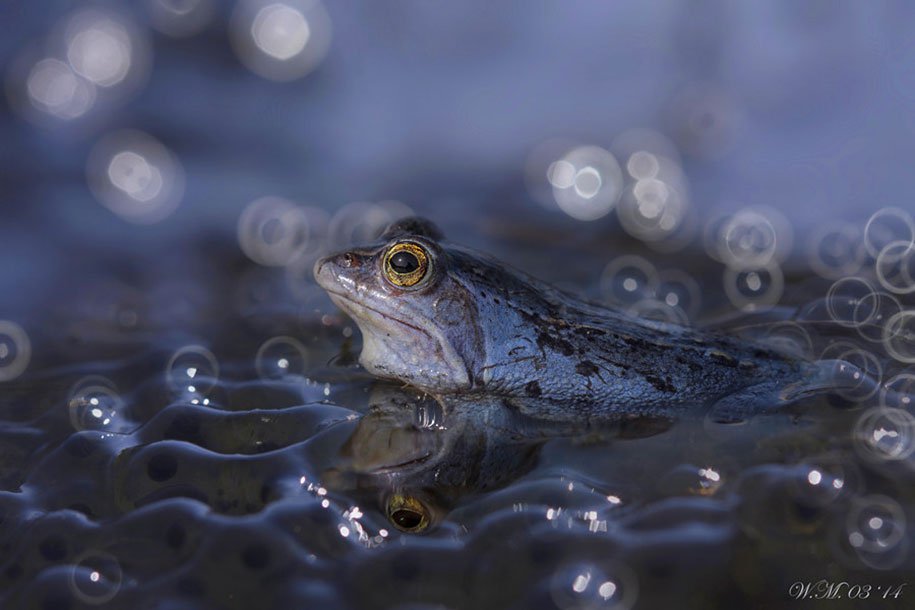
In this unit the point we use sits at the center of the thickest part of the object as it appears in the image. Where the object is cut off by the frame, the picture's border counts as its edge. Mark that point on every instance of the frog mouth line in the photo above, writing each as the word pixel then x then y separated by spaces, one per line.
pixel 352 302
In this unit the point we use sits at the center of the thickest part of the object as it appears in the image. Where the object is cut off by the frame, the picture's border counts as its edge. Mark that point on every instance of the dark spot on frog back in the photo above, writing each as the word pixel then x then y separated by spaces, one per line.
pixel 586 368
pixel 533 390
pixel 555 342
pixel 662 384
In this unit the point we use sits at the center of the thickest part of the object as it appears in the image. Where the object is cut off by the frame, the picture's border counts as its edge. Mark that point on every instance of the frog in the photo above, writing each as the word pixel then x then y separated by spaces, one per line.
pixel 456 323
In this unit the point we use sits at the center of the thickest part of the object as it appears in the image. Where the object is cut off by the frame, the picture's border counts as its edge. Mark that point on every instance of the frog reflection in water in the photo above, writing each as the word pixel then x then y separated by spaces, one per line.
pixel 418 459
pixel 454 323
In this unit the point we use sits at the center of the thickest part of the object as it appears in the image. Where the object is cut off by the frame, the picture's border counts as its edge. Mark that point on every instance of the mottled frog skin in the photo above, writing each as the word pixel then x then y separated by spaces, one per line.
pixel 472 325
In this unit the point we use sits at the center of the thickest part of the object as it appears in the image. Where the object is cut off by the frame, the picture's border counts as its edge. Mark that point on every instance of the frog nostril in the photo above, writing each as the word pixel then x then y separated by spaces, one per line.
pixel 348 259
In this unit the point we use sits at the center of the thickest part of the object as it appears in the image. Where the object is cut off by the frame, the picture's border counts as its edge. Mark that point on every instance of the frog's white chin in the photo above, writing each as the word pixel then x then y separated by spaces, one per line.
pixel 412 352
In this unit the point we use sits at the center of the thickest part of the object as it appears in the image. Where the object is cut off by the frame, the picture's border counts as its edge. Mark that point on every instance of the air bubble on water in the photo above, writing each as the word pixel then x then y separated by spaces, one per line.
pixel 628 279
pixel 899 392
pixel 885 434
pixel 895 267
pixel 95 577
pixel 878 308
pixel 836 250
pixel 899 336
pixel 94 403
pixel 580 586
pixel 851 301
pixel 857 372
pixel 751 289
pixel 875 523
pixel 280 40
pixel 281 358
pixel 192 371
pixel 587 182
pixel 15 350
pixel 821 480
pixel 886 226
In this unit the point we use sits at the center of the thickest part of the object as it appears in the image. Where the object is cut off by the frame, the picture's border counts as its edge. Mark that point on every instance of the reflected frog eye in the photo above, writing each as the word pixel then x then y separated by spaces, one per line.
pixel 407 514
pixel 406 264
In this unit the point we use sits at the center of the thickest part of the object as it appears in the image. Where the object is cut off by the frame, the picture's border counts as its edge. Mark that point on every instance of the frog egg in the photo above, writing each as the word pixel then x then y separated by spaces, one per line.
pixel 135 176
pixel 899 391
pixel 836 250
pixel 280 40
pixel 895 267
pixel 628 279
pixel 587 182
pixel 95 577
pixel 886 226
pixel 585 585
pixel 94 404
pixel 850 301
pixel 875 523
pixel 281 358
pixel 15 350
pixel 192 371
pixel 899 336
pixel 180 18
pixel 858 370
pixel 678 289
pixel 882 434
pixel 821 480
pixel 754 288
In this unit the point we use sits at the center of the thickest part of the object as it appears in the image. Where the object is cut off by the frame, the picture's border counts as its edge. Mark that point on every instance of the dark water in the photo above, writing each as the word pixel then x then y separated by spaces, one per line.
pixel 182 420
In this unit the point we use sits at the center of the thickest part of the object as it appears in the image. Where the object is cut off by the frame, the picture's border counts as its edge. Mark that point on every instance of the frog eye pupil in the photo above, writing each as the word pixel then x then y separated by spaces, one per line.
pixel 407 519
pixel 404 262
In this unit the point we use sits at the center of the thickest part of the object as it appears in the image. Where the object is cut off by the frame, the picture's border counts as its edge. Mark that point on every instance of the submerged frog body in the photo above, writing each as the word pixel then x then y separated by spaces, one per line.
pixel 454 323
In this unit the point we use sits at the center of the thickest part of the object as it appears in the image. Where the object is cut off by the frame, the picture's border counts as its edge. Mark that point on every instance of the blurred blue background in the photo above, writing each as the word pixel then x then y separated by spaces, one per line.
pixel 452 110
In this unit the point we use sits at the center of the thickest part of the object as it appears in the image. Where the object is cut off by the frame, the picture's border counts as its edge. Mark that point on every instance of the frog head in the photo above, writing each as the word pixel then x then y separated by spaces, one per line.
pixel 419 320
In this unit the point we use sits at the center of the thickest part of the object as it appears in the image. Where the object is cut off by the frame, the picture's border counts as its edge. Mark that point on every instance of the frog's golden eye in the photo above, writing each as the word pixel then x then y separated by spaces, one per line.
pixel 406 264
pixel 407 513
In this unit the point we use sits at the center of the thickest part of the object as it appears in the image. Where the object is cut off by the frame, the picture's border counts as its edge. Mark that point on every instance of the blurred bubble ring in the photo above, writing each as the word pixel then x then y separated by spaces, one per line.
pixel 748 289
pixel 280 41
pixel 885 434
pixel 895 266
pixel 135 176
pixel 587 182
pixel 899 336
pixel 104 572
pixel 885 226
pixel 18 344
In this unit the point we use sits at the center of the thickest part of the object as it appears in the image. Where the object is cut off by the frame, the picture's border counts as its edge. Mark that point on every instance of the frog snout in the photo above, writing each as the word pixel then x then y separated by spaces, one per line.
pixel 332 266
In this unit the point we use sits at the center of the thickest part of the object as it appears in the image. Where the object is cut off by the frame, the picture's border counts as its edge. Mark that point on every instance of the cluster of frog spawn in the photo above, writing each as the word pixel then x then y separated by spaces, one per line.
pixel 237 456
